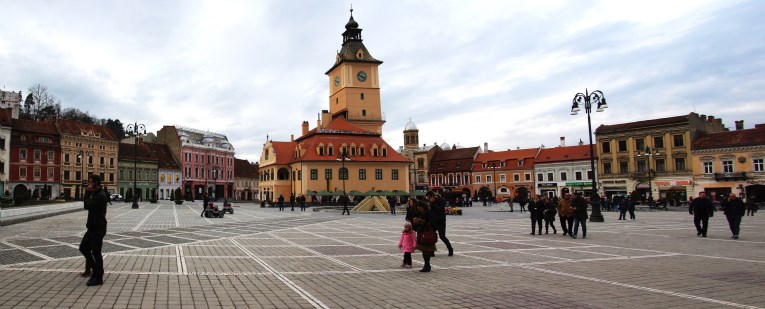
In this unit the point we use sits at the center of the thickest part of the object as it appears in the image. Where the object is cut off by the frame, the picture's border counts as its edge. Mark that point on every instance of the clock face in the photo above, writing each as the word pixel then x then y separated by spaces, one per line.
pixel 361 76
pixel 337 81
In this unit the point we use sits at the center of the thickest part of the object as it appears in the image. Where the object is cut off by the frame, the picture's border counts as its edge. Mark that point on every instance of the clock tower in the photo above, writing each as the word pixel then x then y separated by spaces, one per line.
pixel 354 84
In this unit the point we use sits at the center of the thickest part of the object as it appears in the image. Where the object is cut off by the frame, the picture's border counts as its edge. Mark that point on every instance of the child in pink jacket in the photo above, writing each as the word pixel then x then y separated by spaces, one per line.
pixel 407 244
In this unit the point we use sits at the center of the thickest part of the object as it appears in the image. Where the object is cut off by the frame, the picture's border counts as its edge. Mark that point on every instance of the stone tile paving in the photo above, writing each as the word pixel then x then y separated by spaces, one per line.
pixel 166 256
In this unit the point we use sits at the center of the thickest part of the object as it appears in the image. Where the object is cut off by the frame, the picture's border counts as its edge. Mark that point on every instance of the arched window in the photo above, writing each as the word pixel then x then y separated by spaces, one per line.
pixel 283 174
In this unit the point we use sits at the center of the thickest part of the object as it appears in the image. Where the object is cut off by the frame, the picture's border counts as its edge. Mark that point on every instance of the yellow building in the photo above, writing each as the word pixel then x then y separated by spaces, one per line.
pixel 623 166
pixel 86 149
pixel 731 162
pixel 352 126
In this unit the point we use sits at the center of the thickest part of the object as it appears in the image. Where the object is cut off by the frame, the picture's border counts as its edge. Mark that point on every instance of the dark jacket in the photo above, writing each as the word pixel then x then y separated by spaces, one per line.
pixel 96 206
pixel 550 211
pixel 701 207
pixel 420 226
pixel 580 208
pixel 734 208
pixel 536 210
pixel 438 209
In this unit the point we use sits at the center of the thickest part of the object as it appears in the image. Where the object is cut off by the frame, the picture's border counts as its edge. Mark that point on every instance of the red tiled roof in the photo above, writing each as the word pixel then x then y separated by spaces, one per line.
pixel 245 169
pixel 128 151
pixel 510 158
pixel 747 137
pixel 338 126
pixel 41 127
pixel 163 155
pixel 72 127
pixel 642 124
pixel 453 160
pixel 564 154
pixel 283 152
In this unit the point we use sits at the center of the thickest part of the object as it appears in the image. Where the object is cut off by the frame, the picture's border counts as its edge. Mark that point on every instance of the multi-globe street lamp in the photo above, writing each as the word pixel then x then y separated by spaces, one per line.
pixel 588 99
pixel 343 173
pixel 649 153
pixel 136 130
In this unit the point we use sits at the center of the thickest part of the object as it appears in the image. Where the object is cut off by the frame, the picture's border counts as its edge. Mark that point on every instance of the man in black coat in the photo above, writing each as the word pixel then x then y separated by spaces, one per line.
pixel 701 209
pixel 93 240
pixel 580 215
pixel 438 208
pixel 536 212
pixel 734 210
pixel 345 205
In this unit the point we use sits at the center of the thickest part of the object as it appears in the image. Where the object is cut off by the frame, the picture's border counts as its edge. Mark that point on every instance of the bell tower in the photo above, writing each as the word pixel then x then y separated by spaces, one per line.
pixel 354 84
pixel 411 136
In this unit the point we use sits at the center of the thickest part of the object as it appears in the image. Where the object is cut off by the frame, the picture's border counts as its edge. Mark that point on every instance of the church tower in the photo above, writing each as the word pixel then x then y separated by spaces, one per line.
pixel 411 136
pixel 354 84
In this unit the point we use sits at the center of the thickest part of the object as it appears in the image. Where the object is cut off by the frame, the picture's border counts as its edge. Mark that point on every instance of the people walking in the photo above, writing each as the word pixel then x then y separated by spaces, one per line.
pixel 751 207
pixel 536 212
pixel 522 202
pixel 438 208
pixel 701 209
pixel 93 240
pixel 392 204
pixel 205 203
pixel 292 201
pixel 580 215
pixel 407 244
pixel 345 205
pixel 550 212
pixel 733 208
pixel 280 199
pixel 565 214
pixel 423 224
pixel 623 206
pixel 631 208
pixel 301 202
pixel 510 203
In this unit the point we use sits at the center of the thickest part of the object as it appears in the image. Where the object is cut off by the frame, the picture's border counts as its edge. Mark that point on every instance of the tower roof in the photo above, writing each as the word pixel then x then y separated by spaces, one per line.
pixel 410 126
pixel 353 49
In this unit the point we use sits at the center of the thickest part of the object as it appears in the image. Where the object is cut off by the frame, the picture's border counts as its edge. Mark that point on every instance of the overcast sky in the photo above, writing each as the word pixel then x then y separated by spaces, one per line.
pixel 466 72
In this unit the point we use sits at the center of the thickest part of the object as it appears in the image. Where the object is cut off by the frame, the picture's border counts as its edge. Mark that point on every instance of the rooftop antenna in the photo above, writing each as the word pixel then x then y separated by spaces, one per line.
pixel 694 108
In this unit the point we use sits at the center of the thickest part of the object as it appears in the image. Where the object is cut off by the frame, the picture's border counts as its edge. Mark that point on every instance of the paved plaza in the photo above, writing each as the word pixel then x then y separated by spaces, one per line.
pixel 167 256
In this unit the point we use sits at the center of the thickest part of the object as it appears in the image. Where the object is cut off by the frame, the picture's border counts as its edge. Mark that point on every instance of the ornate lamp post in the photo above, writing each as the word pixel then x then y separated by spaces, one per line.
pixel 596 97
pixel 649 153
pixel 343 173
pixel 136 130
pixel 494 179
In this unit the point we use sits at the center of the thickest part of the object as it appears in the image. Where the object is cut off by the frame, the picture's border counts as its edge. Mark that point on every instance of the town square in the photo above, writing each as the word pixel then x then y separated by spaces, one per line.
pixel 393 154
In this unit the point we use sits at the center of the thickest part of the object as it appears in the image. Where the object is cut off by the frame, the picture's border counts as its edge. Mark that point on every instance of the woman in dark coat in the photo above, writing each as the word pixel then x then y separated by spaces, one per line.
pixel 550 212
pixel 422 222
pixel 411 210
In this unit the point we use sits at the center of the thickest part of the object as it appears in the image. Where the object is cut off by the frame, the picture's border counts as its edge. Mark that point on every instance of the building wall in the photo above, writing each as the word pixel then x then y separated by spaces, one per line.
pixel 169 180
pixel 5 158
pixel 31 171
pixel 95 148
pixel 146 182
pixel 557 185
pixel 747 163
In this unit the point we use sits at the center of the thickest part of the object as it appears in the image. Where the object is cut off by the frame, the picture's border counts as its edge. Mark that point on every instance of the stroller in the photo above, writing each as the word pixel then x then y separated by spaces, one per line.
pixel 212 211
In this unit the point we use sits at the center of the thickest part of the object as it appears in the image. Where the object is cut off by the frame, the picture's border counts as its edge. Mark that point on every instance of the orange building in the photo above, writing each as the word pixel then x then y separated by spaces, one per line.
pixel 505 174
pixel 352 126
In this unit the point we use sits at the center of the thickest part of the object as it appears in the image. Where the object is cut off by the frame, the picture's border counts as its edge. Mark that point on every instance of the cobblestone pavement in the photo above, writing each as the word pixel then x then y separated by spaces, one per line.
pixel 167 256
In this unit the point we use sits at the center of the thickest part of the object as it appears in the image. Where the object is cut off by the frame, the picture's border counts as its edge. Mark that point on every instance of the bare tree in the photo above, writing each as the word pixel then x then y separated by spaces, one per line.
pixel 42 104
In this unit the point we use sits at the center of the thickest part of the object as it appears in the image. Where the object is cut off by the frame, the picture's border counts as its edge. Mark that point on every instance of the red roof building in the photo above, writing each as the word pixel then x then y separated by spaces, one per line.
pixel 35 159
pixel 450 169
pixel 245 180
pixel 562 170
pixel 504 174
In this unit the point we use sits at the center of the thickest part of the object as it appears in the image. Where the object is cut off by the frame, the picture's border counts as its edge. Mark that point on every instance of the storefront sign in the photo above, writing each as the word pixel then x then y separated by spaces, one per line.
pixel 675 183
pixel 547 185
pixel 578 184
pixel 642 185
pixel 614 182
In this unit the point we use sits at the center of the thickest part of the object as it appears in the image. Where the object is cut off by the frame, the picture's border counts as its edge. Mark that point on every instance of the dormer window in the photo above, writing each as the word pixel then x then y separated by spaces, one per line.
pixel 520 163
pixel 360 54
pixel 330 151
pixel 384 152
pixel 321 151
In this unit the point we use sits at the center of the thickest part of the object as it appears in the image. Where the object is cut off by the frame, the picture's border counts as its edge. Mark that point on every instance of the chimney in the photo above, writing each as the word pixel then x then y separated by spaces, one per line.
pixel 739 125
pixel 292 137
pixel 759 125
pixel 711 119
pixel 485 147
pixel 325 118
pixel 305 127
pixel 563 141
pixel 581 142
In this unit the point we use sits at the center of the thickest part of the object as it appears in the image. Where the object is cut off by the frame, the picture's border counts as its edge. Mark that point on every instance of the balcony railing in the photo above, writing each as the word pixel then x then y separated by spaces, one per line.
pixel 730 176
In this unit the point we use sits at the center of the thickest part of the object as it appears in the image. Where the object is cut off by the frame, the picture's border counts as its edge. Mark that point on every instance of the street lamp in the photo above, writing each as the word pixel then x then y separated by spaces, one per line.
pixel 83 178
pixel 136 130
pixel 596 97
pixel 494 179
pixel 650 153
pixel 343 173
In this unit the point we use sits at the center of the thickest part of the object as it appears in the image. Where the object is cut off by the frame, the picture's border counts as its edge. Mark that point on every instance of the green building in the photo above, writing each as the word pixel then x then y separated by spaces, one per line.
pixel 137 167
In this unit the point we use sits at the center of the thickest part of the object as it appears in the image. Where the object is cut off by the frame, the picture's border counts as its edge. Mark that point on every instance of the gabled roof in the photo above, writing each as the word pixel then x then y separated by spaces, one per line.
pixel 338 126
pixel 519 159
pixel 245 169
pixel 283 152
pixel 41 127
pixel 453 160
pixel 643 124
pixel 127 152
pixel 564 154
pixel 66 126
pixel 747 137
pixel 163 155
